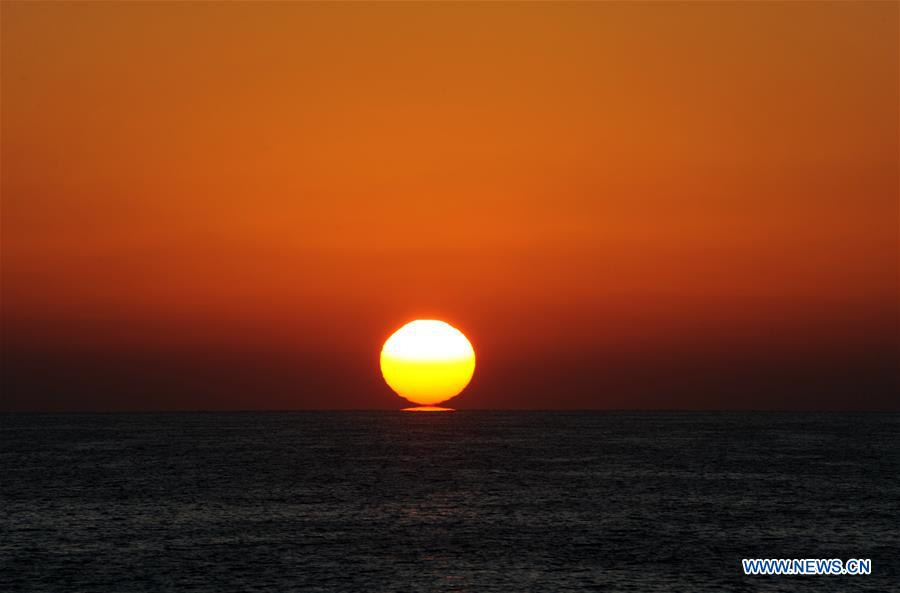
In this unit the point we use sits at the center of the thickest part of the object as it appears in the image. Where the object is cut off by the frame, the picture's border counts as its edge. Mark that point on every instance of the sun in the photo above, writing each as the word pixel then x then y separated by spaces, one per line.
pixel 427 361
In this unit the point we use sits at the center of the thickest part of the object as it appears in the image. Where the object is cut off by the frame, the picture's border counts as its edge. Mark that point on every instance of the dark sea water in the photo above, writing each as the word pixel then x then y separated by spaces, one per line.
pixel 464 501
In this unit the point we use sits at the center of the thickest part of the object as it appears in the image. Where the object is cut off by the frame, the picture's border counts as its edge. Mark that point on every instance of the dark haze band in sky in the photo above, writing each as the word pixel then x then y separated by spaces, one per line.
pixel 622 205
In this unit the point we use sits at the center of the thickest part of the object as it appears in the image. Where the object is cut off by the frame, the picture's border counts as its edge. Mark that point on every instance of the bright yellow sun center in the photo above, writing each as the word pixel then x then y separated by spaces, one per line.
pixel 427 361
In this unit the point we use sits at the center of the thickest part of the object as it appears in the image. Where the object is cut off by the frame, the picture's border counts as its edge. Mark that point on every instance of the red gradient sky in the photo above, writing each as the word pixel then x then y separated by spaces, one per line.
pixel 636 205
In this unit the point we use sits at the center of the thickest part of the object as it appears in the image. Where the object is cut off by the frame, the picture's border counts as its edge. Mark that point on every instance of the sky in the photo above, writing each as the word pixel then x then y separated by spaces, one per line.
pixel 212 206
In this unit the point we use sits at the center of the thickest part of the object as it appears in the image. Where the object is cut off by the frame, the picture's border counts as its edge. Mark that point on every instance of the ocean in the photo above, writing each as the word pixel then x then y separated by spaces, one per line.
pixel 464 501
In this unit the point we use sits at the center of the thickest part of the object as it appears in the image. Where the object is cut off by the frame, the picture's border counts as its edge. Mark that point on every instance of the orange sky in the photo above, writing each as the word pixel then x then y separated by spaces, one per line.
pixel 623 205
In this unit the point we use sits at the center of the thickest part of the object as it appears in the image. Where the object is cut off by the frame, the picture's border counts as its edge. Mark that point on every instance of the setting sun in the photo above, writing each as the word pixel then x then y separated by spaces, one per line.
pixel 427 361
